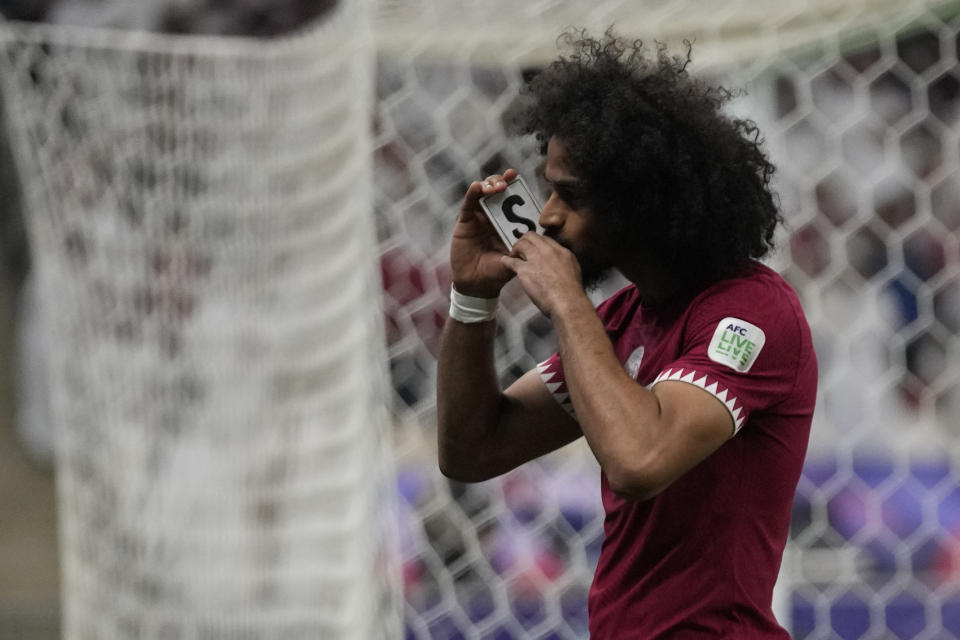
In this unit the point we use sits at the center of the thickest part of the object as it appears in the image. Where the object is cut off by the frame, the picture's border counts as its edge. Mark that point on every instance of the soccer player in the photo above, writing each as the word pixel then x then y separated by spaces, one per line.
pixel 694 386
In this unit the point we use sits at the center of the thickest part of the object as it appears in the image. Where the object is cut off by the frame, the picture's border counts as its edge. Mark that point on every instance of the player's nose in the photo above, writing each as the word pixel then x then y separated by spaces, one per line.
pixel 552 214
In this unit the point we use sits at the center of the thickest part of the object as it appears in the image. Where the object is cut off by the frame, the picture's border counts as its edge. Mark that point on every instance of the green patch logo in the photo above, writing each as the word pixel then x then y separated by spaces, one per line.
pixel 736 344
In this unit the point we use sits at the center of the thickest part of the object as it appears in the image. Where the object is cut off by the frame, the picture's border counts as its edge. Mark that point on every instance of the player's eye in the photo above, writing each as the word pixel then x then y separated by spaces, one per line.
pixel 546 189
pixel 568 195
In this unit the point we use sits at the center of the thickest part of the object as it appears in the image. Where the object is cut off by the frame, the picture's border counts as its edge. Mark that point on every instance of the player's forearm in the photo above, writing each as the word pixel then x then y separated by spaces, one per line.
pixel 619 418
pixel 468 396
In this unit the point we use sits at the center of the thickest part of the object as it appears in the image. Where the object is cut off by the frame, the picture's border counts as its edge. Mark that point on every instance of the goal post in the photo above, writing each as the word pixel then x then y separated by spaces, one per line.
pixel 195 207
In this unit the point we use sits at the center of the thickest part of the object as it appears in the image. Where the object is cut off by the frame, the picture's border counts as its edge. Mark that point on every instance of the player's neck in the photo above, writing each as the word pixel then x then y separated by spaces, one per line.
pixel 656 285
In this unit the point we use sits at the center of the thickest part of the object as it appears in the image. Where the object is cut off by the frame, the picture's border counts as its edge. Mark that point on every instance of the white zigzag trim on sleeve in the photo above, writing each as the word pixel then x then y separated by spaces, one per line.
pixel 556 386
pixel 731 402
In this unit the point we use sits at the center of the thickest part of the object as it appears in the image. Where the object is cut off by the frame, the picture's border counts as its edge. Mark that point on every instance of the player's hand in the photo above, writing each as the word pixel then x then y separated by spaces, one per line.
pixel 548 272
pixel 476 249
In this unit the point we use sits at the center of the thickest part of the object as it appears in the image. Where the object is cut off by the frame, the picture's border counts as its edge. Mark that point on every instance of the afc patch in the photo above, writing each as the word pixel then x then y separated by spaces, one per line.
pixel 736 344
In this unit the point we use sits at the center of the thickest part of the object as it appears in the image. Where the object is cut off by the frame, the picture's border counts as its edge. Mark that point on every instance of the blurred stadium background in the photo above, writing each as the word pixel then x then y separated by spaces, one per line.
pixel 860 104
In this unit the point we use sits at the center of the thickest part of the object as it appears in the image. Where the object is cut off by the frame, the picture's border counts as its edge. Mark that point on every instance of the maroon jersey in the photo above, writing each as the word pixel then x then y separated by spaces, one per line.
pixel 700 559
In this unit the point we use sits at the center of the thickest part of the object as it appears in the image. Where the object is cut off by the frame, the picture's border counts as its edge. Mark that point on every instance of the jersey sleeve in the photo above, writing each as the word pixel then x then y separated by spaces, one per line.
pixel 613 312
pixel 744 346
pixel 551 372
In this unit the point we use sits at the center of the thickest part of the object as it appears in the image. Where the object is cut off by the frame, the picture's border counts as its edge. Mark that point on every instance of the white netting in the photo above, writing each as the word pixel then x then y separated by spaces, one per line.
pixel 859 102
pixel 196 208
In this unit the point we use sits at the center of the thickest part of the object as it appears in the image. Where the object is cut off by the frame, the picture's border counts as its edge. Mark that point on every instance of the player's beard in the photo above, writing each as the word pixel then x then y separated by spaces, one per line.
pixel 595 263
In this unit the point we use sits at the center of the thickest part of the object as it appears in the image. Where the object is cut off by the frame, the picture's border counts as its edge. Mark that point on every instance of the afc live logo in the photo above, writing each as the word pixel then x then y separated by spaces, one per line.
pixel 736 343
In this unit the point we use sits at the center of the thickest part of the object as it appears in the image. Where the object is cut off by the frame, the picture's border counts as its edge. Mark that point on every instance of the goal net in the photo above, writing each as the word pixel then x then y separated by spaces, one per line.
pixel 199 214
pixel 859 102
pixel 196 208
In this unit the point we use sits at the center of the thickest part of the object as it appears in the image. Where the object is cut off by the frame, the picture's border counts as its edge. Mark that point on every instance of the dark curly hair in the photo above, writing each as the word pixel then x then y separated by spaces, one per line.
pixel 674 175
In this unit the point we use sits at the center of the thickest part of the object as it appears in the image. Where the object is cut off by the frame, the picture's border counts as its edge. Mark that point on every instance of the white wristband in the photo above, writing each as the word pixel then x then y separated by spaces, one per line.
pixel 470 310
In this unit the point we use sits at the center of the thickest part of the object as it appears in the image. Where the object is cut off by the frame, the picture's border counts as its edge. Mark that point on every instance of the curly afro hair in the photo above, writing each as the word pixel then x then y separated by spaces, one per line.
pixel 675 177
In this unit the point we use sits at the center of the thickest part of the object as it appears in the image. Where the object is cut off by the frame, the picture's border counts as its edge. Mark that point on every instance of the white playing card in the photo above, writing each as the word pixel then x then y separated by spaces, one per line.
pixel 513 212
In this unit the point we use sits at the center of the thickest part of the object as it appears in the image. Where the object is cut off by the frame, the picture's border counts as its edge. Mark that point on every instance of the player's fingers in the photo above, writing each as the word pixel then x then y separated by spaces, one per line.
pixel 527 243
pixel 511 263
pixel 494 184
pixel 534 239
pixel 517 247
pixel 471 201
pixel 545 244
pixel 522 250
pixel 474 191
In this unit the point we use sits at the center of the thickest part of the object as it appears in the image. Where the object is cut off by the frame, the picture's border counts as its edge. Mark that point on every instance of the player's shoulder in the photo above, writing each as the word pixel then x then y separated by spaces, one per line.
pixel 758 291
pixel 757 312
pixel 759 297
pixel 619 307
